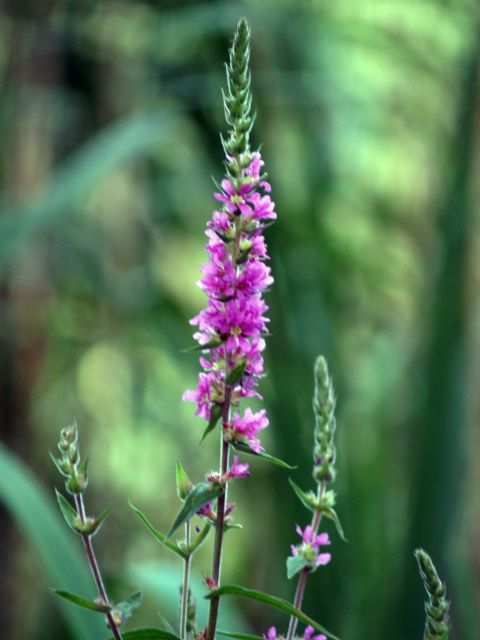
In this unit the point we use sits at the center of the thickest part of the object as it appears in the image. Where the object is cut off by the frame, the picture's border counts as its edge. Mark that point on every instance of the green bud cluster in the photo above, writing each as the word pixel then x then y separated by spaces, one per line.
pixel 324 409
pixel 237 104
pixel 69 463
pixel 191 612
pixel 437 624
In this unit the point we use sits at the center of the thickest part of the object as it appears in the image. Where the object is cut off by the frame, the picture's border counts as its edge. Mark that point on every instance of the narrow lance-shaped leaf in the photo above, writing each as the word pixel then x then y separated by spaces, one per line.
pixel 200 539
pixel 308 500
pixel 215 415
pixel 295 564
pixel 184 485
pixel 330 513
pixel 235 375
pixel 123 610
pixel 159 536
pixel 148 634
pixel 244 448
pixel 278 603
pixel 82 602
pixel 239 636
pixel 198 496
pixel 68 512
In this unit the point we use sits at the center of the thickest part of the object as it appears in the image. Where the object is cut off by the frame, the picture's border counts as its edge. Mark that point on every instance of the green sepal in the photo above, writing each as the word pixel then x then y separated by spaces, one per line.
pixel 199 495
pixel 244 448
pixel 123 610
pixel 330 513
pixel 160 536
pixel 200 539
pixel 235 375
pixel 184 485
pixel 244 255
pixel 295 564
pixel 83 472
pixel 215 415
pixel 308 500
pixel 68 512
pixel 223 237
pixel 91 527
pixel 83 602
pixel 63 465
pixel 148 634
pixel 272 601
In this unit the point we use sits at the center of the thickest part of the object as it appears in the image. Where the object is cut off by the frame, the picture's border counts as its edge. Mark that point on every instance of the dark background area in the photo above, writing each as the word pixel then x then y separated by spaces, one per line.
pixel 367 113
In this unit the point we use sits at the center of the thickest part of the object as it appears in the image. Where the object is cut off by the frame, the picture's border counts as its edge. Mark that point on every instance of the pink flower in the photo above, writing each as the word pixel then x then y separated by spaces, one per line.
pixel 307 635
pixel 311 545
pixel 244 430
pixel 233 323
pixel 237 470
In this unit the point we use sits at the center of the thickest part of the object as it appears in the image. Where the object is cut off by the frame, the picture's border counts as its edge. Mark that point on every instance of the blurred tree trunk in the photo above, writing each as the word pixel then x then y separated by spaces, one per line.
pixel 27 158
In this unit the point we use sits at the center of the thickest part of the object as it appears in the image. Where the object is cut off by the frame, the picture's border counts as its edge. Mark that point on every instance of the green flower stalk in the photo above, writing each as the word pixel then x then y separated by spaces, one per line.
pixel 232 325
pixel 437 623
pixel 306 558
pixel 324 453
pixel 238 105
pixel 75 473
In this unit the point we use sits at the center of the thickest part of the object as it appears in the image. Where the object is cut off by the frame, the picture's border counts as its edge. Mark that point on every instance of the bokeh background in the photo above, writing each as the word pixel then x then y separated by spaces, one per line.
pixel 367 113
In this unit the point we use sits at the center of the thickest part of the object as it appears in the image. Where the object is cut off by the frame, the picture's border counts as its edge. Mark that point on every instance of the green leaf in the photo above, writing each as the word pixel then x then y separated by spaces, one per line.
pixel 202 536
pixel 184 486
pixel 295 564
pixel 97 523
pixel 198 496
pixel 82 602
pixel 330 513
pixel 244 448
pixel 201 347
pixel 68 512
pixel 62 465
pixel 148 634
pixel 240 636
pixel 272 601
pixel 235 375
pixel 160 536
pixel 124 610
pixel 215 415
pixel 308 500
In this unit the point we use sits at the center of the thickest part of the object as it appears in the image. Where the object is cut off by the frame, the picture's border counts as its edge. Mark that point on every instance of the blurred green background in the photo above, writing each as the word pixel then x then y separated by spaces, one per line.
pixel 367 113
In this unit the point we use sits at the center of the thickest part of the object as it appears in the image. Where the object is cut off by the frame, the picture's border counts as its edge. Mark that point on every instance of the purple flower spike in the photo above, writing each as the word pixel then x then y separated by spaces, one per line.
pixel 232 325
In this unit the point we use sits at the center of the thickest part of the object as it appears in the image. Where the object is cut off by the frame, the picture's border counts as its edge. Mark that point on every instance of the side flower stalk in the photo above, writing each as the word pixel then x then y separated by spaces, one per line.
pixel 231 328
pixel 306 557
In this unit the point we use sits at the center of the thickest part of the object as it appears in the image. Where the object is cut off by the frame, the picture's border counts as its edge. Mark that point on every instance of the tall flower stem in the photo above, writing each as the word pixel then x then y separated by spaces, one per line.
pixel 185 588
pixel 302 579
pixel 220 524
pixel 92 561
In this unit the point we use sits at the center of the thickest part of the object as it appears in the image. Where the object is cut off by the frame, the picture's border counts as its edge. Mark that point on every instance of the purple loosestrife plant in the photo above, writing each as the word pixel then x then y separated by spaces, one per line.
pixel 232 325
pixel 230 334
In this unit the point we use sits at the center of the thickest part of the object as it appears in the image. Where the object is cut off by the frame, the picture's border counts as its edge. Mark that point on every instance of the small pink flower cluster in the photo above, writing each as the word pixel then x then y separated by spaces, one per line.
pixel 311 545
pixel 307 635
pixel 233 322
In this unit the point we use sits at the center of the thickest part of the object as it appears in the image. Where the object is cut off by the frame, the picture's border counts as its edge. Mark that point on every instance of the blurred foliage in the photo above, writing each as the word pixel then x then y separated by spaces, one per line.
pixel 367 113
